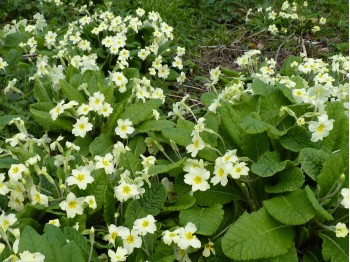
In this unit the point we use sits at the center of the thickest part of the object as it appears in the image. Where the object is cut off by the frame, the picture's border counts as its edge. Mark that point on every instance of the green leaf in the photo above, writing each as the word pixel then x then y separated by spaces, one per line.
pixel 6 162
pixel 161 169
pixel 30 240
pixel 252 124
pixel 291 209
pixel 84 144
pixel 98 187
pixel 72 93
pixel 268 164
pixel 131 73
pixel 331 170
pixel 316 205
pixel 290 256
pixel 40 93
pixel 207 220
pixel 338 138
pixel 137 145
pixel 286 68
pixel 54 236
pixel 140 112
pixel 134 211
pixel 253 146
pixel 208 97
pixel 230 120
pixel 71 253
pixel 153 199
pixel 181 136
pixel 311 161
pixel 163 253
pixel 41 115
pixel 131 162
pixel 289 179
pixel 298 138
pixel 257 236
pixel 183 202
pixel 154 125
pixel 334 248
pixel 109 205
pixel 101 145
pixel 217 195
pixel 73 235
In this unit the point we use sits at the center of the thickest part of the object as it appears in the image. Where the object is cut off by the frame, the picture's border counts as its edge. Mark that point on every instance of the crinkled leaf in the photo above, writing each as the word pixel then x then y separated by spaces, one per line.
pixel 331 170
pixel 183 202
pixel 286 68
pixel 134 211
pixel 338 138
pixel 208 97
pixel 153 199
pixel 137 145
pixel 180 136
pixel 41 115
pixel 268 164
pixel 33 242
pixel 252 124
pixel 163 253
pixel 131 162
pixel 316 205
pixel 73 235
pixel 84 144
pixel 154 125
pixel 140 112
pixel 335 249
pixel 217 195
pixel 298 138
pixel 6 162
pixel 131 73
pixel 287 180
pixel 253 146
pixel 98 187
pixel 291 209
pixel 230 120
pixel 161 169
pixel 257 236
pixel 101 145
pixel 109 205
pixel 41 93
pixel 311 161
pixel 71 253
pixel 207 220
pixel 71 92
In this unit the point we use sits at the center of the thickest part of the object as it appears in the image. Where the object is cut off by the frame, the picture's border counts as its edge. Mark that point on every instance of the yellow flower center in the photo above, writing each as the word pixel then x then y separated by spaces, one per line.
pixel 80 177
pixel 221 172
pixel 105 162
pixel 198 180
pixel 72 204
pixel 82 126
pixel 145 223
pixel 114 235
pixel 130 239
pixel 123 128
pixel 189 236
pixel 15 169
pixel 126 190
pixel 320 128
pixel 238 169
pixel 37 198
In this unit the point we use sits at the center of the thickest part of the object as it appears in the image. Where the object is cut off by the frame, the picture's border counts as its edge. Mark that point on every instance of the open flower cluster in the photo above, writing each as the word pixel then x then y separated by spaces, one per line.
pixel 287 18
